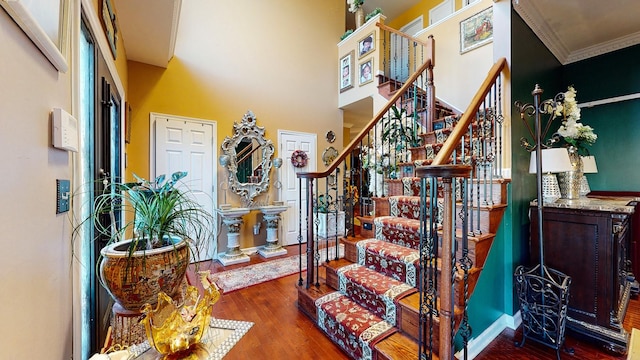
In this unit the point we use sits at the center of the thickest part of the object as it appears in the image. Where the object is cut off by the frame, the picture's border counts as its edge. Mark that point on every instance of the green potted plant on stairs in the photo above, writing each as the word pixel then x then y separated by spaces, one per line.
pixel 150 248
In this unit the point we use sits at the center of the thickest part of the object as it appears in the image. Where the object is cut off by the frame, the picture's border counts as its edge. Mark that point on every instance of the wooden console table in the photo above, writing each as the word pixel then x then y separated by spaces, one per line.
pixel 589 240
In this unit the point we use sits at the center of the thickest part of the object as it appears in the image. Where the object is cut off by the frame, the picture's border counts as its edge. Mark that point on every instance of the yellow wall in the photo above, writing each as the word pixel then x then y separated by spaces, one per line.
pixel 277 58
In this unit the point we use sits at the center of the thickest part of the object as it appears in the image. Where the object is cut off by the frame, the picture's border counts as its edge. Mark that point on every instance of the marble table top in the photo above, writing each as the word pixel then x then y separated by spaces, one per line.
pixel 614 204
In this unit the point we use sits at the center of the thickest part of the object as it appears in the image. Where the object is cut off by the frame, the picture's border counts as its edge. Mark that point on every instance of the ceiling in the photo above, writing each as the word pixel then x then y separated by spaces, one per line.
pixel 149 29
pixel 573 30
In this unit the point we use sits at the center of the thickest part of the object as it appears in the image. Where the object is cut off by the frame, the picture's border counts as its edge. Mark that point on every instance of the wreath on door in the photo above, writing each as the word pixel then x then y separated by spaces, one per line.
pixel 299 158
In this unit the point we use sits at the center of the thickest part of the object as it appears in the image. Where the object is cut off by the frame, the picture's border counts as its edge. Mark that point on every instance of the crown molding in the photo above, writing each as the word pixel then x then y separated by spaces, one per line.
pixel 532 17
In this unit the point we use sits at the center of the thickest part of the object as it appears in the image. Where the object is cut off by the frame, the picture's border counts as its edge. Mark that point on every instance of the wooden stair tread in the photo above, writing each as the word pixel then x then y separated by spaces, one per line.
pixel 398 347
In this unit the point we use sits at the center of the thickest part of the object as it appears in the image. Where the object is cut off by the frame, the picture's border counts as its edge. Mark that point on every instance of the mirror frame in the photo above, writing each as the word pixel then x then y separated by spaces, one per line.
pixel 247 129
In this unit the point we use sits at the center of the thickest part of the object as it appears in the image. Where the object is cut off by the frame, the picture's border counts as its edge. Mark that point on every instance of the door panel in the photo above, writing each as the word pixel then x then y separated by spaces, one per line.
pixel 290 142
pixel 182 145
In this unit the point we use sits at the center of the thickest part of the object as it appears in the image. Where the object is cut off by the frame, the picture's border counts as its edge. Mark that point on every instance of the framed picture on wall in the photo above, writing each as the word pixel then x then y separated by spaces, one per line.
pixel 365 71
pixel 366 45
pixel 346 71
pixel 476 30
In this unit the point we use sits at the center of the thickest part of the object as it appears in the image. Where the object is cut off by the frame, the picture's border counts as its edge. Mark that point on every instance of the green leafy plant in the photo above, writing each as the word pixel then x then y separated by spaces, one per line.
pixel 324 203
pixel 346 34
pixel 153 214
pixel 375 12
pixel 401 129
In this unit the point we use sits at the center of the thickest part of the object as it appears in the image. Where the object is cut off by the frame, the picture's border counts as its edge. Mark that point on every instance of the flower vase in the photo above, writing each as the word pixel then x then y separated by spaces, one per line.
pixel 359 17
pixel 570 181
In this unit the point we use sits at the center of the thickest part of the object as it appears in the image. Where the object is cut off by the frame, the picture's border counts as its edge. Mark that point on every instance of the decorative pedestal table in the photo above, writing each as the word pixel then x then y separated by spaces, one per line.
pixel 272 217
pixel 232 218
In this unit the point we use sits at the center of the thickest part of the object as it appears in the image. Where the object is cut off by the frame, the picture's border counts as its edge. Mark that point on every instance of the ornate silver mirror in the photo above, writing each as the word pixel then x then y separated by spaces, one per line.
pixel 248 159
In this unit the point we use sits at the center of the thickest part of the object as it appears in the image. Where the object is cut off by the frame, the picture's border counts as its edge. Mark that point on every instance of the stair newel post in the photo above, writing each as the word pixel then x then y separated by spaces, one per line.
pixel 311 220
pixel 431 89
pixel 447 173
pixel 427 285
pixel 300 281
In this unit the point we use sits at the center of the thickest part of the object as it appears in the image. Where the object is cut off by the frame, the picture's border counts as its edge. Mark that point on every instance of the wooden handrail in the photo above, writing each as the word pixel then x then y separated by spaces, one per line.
pixel 456 134
pixel 409 37
pixel 347 150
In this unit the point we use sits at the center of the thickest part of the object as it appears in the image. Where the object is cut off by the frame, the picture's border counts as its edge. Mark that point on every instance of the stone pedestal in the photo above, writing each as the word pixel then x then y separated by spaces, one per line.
pixel 272 217
pixel 232 218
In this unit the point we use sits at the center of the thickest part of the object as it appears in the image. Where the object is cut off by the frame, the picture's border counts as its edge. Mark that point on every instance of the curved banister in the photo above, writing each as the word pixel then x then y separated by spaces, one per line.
pixel 456 134
pixel 352 145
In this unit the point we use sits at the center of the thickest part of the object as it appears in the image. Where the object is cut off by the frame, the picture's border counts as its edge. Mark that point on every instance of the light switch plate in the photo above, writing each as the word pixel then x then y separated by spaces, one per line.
pixel 62 195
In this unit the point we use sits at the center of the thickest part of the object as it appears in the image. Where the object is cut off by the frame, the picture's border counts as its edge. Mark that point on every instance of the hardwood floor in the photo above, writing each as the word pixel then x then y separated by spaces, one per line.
pixel 280 331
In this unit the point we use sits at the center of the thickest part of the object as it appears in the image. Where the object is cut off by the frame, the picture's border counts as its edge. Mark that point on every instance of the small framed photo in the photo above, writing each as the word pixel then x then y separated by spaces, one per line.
pixel 476 30
pixel 346 71
pixel 366 45
pixel 365 71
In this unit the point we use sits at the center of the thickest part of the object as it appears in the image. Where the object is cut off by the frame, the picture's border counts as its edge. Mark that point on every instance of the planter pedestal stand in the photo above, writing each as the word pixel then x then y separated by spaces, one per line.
pixel 232 218
pixel 272 217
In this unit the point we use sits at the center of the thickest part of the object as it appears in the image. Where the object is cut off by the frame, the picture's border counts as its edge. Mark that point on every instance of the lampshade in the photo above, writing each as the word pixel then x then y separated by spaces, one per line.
pixel 588 165
pixel 554 160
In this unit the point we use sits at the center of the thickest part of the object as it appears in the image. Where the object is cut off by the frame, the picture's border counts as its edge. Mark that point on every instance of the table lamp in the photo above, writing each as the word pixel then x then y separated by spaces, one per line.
pixel 588 167
pixel 554 160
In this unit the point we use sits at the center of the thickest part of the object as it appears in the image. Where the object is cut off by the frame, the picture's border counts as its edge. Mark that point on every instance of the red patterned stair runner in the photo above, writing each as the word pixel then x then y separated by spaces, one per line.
pixel 374 291
pixel 395 261
pixel 352 327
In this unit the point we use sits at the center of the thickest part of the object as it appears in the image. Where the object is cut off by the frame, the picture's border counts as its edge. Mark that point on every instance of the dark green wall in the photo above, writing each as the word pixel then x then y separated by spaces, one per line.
pixel 617 125
pixel 618 129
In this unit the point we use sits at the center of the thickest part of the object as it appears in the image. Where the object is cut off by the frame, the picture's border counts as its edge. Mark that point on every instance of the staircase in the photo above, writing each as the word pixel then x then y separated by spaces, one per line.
pixel 420 223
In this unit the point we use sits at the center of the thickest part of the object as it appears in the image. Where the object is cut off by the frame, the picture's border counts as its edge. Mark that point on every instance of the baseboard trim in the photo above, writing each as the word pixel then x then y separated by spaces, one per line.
pixel 477 344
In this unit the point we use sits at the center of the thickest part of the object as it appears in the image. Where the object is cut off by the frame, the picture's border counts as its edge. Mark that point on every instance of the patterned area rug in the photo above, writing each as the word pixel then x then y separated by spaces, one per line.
pixel 246 276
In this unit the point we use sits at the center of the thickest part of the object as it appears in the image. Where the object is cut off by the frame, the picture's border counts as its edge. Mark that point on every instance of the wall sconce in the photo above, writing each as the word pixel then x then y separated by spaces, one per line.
pixel 256 229
pixel 588 167
pixel 554 160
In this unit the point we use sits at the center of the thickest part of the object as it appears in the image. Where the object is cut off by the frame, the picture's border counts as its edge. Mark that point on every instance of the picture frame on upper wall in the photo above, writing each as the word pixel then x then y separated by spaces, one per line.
pixel 45 22
pixel 109 25
pixel 365 71
pixel 346 71
pixel 366 45
pixel 476 30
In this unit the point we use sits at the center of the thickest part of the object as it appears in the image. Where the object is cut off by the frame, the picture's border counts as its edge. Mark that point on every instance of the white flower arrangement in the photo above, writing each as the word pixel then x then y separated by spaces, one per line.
pixel 572 130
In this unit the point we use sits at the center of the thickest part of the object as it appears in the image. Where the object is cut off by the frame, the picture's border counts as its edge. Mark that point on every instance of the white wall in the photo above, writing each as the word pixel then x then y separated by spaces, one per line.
pixel 35 267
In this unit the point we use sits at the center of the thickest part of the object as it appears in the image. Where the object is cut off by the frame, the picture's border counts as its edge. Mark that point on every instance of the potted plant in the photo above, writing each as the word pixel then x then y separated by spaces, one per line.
pixel 330 221
pixel 150 249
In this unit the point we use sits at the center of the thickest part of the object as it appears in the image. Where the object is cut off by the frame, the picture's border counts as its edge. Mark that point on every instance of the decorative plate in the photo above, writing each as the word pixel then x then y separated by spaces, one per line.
pixel 299 158
pixel 330 136
pixel 329 155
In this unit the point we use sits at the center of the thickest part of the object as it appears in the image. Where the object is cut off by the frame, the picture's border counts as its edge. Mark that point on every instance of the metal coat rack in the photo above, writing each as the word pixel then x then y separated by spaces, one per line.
pixel 543 292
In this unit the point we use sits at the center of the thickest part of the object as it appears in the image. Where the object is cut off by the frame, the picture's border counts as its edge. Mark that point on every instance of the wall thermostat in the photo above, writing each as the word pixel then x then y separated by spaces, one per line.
pixel 65 130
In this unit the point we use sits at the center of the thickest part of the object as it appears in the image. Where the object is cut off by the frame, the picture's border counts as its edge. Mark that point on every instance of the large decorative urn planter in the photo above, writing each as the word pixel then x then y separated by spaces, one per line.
pixel 331 224
pixel 135 279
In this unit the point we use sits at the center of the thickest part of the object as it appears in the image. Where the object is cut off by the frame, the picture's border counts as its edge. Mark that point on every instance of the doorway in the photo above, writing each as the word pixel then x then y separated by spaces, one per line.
pixel 294 221
pixel 101 154
pixel 187 144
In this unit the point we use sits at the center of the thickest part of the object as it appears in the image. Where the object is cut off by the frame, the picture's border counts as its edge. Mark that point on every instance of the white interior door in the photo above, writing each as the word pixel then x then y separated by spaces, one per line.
pixel 183 144
pixel 288 142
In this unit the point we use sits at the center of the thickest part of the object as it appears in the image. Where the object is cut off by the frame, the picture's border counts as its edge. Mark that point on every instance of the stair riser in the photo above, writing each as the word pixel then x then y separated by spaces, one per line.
pixel 478 249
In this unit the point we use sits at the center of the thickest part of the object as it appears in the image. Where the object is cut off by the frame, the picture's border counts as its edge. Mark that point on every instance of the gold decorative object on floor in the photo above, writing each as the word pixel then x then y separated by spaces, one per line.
pixel 175 329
